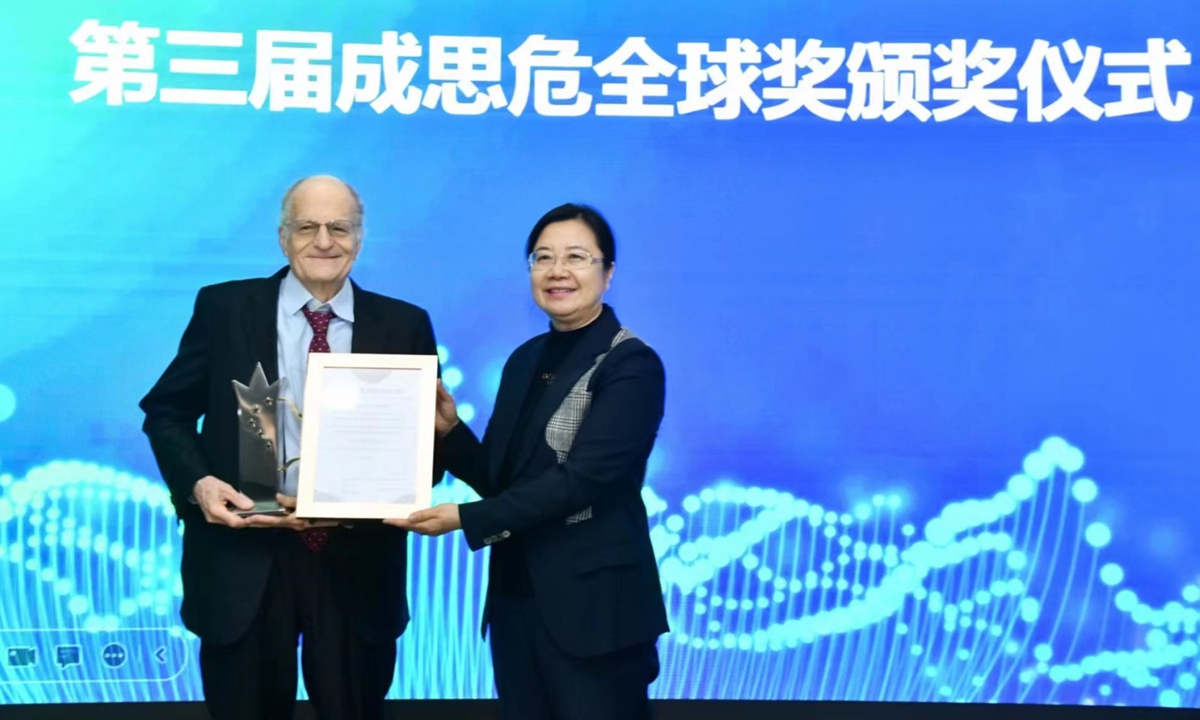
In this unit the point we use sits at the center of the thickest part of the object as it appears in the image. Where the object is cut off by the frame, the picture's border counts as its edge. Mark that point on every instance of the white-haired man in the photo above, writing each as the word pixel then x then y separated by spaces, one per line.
pixel 253 586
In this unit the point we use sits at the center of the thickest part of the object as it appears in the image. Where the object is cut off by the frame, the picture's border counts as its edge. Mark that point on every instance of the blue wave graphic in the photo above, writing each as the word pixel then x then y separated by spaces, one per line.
pixel 1006 598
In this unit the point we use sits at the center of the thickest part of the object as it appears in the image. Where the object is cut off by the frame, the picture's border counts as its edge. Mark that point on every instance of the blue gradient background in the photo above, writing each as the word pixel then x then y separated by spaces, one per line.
pixel 932 415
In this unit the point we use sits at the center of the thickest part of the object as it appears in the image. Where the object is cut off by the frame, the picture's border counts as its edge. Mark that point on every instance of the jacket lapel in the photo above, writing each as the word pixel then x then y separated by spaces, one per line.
pixel 258 323
pixel 370 330
pixel 581 358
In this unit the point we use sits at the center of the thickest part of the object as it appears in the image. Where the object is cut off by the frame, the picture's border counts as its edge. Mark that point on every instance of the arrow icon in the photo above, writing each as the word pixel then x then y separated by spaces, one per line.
pixel 160 655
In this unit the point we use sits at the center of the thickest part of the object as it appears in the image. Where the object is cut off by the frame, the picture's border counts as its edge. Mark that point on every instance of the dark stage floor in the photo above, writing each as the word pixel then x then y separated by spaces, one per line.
pixel 665 710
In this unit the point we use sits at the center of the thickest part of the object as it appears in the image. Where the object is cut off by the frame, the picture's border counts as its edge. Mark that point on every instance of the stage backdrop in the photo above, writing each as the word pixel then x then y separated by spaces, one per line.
pixel 923 275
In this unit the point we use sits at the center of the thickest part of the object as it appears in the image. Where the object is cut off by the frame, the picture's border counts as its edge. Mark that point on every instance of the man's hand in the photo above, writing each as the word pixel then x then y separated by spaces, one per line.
pixel 214 495
pixel 289 521
pixel 435 521
pixel 447 411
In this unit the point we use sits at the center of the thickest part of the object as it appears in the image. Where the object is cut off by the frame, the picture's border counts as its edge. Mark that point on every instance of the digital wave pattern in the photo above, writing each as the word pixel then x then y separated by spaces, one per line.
pixel 1001 599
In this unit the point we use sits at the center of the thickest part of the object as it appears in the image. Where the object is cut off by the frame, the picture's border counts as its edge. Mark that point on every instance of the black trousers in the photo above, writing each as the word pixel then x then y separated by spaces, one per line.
pixel 536 680
pixel 255 678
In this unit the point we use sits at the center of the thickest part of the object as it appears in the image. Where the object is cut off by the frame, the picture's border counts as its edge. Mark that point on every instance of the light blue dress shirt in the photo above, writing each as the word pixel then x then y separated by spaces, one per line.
pixel 294 335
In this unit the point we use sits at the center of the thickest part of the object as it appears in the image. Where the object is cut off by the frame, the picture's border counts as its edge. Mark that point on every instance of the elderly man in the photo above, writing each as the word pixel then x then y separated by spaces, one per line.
pixel 254 585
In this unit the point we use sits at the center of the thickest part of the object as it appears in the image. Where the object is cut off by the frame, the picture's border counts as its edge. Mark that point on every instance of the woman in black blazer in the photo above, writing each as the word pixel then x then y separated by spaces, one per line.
pixel 574 602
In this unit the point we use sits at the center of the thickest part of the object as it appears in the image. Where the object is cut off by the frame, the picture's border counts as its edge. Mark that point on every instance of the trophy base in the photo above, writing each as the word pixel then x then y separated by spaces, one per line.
pixel 263 507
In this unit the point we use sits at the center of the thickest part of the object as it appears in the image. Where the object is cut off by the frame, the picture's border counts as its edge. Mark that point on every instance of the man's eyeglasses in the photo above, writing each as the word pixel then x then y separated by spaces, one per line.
pixel 543 260
pixel 338 229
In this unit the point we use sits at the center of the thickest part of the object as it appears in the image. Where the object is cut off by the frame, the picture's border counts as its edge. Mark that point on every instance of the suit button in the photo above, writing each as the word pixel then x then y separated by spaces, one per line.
pixel 505 534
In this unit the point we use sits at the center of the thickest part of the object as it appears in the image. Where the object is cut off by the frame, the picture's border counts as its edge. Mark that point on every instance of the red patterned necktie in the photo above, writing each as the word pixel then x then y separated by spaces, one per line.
pixel 315 538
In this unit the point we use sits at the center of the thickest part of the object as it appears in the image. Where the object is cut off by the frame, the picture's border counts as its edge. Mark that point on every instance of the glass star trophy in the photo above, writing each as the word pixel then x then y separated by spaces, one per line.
pixel 261 458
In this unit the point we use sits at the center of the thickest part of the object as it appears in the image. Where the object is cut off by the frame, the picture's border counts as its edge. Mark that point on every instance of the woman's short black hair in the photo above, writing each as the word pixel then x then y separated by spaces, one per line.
pixel 589 216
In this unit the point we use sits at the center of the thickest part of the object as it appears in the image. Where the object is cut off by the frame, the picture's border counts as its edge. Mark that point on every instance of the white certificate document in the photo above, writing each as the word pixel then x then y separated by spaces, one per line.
pixel 366 440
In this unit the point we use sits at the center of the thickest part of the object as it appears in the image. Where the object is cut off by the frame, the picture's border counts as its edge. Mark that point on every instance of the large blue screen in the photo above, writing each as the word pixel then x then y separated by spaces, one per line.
pixel 923 275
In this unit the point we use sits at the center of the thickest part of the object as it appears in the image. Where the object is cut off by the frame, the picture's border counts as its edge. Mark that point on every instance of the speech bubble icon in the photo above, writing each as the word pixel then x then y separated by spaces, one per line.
pixel 66 655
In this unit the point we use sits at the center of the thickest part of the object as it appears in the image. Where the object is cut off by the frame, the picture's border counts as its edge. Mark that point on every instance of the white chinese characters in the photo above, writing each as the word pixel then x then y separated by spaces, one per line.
pixel 781 80
pixel 115 61
pixel 204 67
pixel 381 75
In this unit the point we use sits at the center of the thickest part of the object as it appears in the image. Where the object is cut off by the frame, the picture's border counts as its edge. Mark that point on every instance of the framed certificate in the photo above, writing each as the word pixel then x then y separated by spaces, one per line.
pixel 366 440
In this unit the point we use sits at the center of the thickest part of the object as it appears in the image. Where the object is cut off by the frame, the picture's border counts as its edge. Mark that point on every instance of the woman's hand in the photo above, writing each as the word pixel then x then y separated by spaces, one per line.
pixel 437 520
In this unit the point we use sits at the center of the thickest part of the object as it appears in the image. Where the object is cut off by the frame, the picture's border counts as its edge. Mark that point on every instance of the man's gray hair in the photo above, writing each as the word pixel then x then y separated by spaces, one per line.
pixel 285 207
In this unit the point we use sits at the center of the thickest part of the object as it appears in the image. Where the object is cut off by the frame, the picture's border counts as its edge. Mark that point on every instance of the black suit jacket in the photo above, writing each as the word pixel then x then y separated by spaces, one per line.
pixel 225 571
pixel 595 582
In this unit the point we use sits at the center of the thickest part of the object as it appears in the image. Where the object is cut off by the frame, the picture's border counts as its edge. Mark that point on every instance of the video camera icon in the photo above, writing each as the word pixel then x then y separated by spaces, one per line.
pixel 22 657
